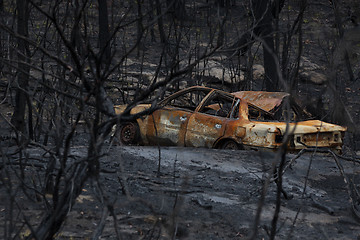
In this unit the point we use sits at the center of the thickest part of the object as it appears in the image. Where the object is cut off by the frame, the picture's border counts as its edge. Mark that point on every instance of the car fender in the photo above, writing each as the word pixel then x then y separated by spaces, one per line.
pixel 222 139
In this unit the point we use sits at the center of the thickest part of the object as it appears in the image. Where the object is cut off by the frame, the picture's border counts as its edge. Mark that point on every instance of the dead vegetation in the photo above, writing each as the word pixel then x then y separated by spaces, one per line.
pixel 63 64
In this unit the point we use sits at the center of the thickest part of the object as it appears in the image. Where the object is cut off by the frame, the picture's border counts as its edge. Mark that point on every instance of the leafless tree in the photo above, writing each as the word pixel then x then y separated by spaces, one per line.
pixel 69 62
pixel 64 69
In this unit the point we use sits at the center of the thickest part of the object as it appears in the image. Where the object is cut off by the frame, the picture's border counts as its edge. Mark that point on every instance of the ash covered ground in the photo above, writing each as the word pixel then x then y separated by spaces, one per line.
pixel 208 194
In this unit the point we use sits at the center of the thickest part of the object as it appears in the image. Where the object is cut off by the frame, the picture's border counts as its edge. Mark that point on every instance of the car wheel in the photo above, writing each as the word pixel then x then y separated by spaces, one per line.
pixel 129 133
pixel 230 145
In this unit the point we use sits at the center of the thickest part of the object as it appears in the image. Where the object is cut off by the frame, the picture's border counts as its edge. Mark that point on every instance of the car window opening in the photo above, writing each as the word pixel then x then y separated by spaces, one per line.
pixel 221 106
pixel 188 100
pixel 256 114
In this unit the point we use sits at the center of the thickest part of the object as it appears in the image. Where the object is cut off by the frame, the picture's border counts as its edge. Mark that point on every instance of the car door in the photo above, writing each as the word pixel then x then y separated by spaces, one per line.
pixel 208 123
pixel 167 126
pixel 203 130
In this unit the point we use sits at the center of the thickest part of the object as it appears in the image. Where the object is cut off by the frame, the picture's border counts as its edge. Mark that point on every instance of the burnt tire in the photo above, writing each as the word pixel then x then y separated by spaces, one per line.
pixel 129 133
pixel 231 145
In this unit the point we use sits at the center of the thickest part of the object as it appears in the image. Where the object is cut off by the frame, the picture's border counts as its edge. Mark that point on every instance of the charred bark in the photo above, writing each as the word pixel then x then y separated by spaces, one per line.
pixel 177 8
pixel 21 100
pixel 263 14
pixel 104 35
pixel 160 21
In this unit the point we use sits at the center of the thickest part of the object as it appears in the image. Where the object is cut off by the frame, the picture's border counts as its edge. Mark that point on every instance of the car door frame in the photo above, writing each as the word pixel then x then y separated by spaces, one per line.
pixel 158 134
pixel 215 125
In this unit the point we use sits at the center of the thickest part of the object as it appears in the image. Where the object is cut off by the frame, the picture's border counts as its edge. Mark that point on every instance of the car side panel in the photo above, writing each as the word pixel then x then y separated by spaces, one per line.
pixel 167 126
pixel 260 135
pixel 204 130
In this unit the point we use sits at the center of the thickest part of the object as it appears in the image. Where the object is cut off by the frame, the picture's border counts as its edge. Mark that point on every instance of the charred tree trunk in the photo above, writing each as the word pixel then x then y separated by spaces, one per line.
pixel 160 22
pixel 270 66
pixel 151 18
pixel 339 26
pixel 104 34
pixel 263 29
pixel 18 118
pixel 177 8
pixel 140 27
pixel 225 3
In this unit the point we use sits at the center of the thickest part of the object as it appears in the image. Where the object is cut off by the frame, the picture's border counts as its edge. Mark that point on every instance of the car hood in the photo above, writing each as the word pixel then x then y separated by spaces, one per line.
pixel 264 100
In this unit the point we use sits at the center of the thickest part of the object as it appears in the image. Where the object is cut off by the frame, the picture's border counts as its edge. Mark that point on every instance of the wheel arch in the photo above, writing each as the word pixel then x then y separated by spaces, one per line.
pixel 221 141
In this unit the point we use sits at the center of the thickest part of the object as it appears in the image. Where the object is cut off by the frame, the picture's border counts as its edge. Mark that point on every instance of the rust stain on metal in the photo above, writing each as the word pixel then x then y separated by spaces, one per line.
pixel 218 117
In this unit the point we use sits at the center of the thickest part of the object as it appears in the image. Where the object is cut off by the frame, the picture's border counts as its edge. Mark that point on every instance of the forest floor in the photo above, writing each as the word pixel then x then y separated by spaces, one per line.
pixel 215 194
pixel 205 194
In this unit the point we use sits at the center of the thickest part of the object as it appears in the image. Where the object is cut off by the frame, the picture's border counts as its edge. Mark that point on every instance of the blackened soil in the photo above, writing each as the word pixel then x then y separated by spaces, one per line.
pixel 207 194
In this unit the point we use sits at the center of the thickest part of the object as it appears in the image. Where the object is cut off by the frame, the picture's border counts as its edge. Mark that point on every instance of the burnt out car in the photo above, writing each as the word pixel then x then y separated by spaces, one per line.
pixel 205 117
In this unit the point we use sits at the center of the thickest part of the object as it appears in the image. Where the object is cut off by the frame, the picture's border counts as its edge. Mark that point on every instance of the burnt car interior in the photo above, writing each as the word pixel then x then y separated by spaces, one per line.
pixel 226 106
pixel 221 106
pixel 283 106
pixel 256 114
pixel 217 104
pixel 187 100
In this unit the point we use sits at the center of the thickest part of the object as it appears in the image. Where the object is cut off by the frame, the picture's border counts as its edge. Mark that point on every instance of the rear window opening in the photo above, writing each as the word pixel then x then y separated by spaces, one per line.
pixel 256 114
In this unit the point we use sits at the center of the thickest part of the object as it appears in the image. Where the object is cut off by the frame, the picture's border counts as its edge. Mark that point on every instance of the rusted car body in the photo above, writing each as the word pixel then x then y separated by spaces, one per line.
pixel 205 117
